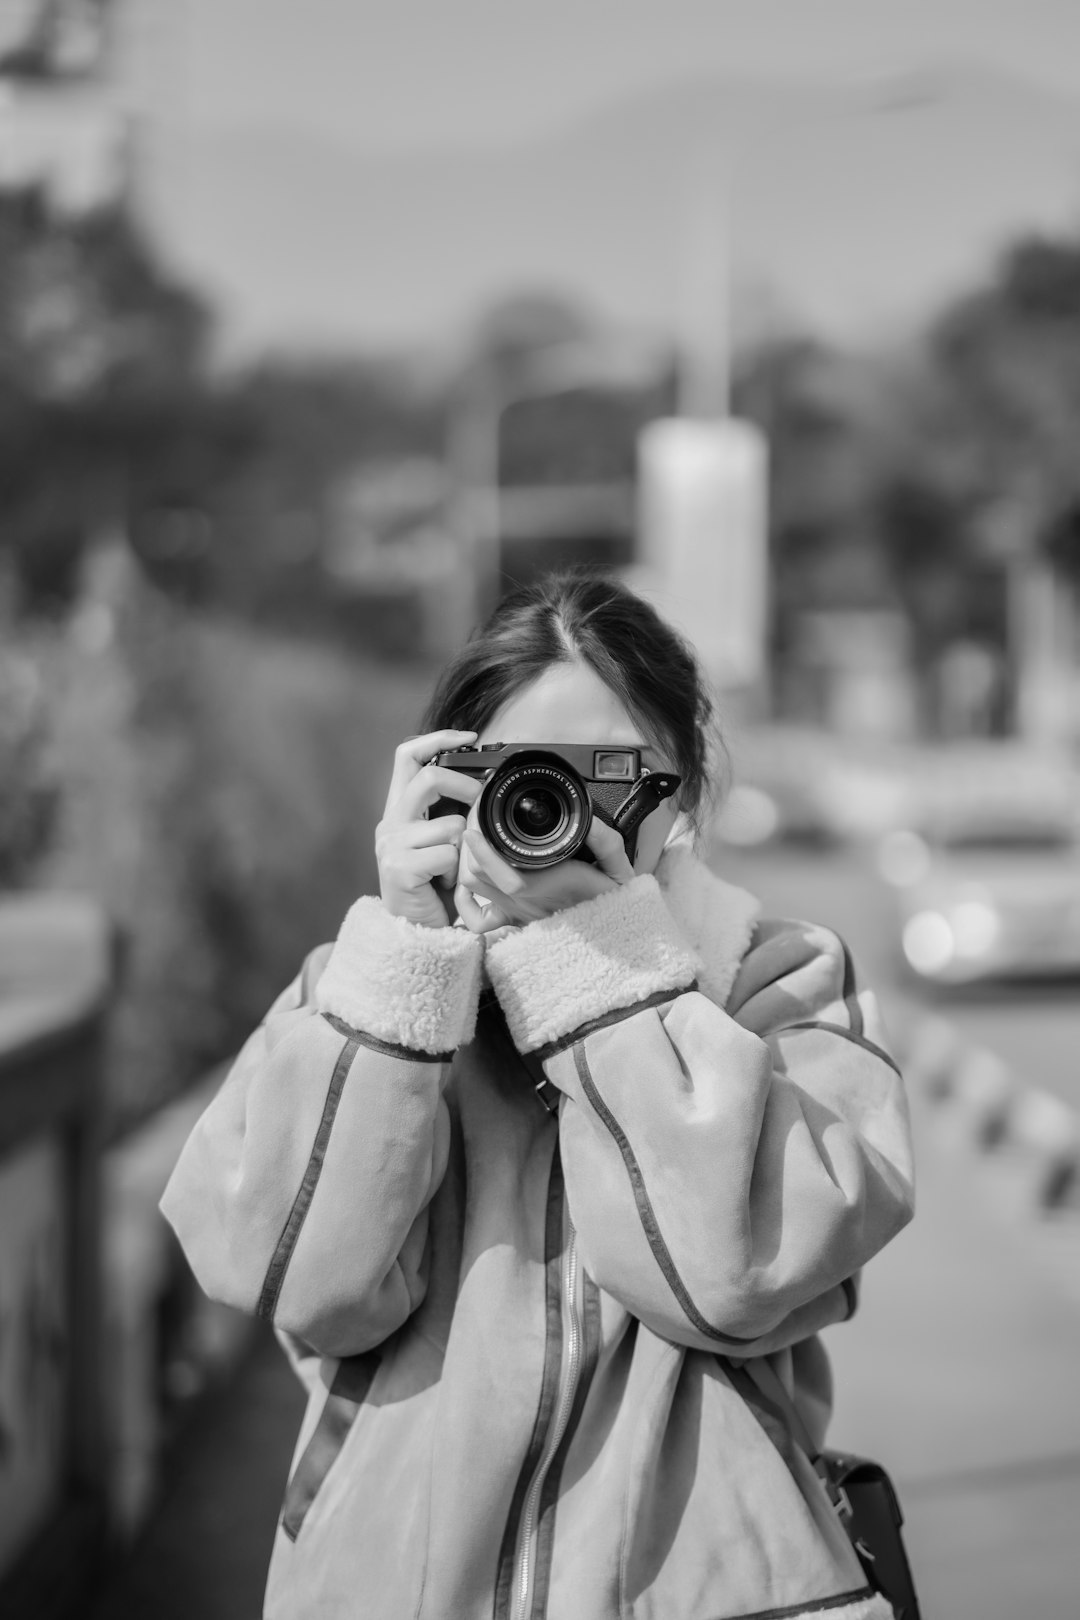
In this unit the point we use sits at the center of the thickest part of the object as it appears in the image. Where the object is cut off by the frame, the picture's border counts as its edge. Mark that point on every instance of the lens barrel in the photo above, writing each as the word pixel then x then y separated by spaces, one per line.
pixel 535 811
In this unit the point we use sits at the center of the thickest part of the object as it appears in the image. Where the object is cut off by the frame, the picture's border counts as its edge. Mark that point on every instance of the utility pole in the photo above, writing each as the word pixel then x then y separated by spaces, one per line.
pixel 702 510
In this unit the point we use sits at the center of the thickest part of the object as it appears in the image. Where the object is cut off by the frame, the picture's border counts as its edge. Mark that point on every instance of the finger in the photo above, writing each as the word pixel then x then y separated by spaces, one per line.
pixel 472 875
pixel 486 891
pixel 414 752
pixel 477 919
pixel 425 864
pixel 610 851
pixel 432 782
pixel 493 919
pixel 470 913
pixel 420 834
pixel 488 863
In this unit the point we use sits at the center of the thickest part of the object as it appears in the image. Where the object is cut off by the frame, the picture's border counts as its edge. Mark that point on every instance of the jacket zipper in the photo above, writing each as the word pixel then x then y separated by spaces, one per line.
pixel 569 1382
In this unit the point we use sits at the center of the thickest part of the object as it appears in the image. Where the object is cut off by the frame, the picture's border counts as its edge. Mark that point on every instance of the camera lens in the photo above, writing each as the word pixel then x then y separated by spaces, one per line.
pixel 536 813
pixel 535 810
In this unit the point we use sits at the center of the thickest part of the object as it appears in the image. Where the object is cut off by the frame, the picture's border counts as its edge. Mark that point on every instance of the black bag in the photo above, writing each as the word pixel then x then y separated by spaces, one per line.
pixel 869 1509
pixel 860 1490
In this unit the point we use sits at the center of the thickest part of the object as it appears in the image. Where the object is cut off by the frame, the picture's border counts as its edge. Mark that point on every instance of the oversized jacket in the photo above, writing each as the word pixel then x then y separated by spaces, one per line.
pixel 519 1215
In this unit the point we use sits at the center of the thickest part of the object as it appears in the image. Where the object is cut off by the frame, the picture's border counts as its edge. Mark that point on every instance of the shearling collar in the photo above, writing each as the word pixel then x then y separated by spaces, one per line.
pixel 716 918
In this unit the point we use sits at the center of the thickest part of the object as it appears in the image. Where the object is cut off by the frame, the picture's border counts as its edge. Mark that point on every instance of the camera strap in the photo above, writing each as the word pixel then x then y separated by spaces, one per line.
pixel 650 789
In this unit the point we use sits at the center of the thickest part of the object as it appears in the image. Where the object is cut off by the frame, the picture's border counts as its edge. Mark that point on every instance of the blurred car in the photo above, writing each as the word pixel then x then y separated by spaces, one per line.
pixel 988 885
pixel 780 790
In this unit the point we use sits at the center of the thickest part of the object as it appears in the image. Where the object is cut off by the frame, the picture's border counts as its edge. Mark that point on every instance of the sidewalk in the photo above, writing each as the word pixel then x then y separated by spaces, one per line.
pixel 1002 1105
pixel 959 1372
pixel 204 1554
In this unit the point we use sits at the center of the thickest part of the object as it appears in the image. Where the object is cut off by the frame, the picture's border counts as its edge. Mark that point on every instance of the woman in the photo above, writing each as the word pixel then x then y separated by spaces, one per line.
pixel 537 1173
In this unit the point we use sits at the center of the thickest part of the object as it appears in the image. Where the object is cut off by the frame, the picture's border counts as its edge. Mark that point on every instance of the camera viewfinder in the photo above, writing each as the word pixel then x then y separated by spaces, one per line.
pixel 614 765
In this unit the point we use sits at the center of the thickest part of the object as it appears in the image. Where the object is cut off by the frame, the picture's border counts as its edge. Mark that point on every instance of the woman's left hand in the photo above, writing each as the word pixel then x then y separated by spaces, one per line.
pixel 517 897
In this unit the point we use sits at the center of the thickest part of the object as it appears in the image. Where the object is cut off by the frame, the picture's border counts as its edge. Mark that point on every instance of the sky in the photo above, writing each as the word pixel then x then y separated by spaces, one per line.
pixel 257 114
pixel 429 72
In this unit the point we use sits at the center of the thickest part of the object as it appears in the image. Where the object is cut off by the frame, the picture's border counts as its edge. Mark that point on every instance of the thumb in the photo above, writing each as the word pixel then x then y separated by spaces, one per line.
pixel 610 851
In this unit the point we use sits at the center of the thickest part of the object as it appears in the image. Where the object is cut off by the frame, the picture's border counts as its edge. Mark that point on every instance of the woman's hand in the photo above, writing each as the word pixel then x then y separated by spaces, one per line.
pixel 516 897
pixel 414 853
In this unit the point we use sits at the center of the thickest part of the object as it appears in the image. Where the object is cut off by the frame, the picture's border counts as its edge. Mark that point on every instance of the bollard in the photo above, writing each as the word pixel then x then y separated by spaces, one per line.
pixel 1045 1128
pixel 931 1057
pixel 1039 1130
pixel 985 1089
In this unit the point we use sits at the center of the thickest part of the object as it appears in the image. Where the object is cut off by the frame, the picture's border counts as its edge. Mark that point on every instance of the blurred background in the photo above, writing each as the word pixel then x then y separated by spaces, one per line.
pixel 321 325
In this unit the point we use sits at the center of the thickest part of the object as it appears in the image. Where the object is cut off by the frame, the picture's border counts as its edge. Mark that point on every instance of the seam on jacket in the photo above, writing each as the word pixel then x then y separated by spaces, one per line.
pixel 410 1054
pixel 850 993
pixel 657 999
pixel 275 1273
pixel 848 1035
pixel 816 1606
pixel 549 1496
pixel 549 1386
pixel 779 1432
pixel 347 1394
pixel 646 1214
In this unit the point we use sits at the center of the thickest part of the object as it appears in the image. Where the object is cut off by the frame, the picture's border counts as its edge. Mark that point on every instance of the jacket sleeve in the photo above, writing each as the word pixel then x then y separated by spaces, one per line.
pixel 728 1169
pixel 302 1193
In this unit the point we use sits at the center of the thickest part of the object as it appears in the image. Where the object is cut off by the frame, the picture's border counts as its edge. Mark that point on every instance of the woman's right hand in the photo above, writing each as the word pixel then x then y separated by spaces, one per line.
pixel 411 851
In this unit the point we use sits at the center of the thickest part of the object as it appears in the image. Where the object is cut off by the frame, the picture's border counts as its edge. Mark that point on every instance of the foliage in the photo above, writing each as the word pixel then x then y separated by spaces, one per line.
pixel 1009 356
pixel 94 334
pixel 110 416
pixel 224 788
pixel 302 429
pixel 263 772
pixel 28 785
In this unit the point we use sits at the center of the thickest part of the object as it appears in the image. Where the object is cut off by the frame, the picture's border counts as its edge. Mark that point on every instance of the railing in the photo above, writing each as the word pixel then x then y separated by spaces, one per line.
pixel 54 985
pixel 102 1332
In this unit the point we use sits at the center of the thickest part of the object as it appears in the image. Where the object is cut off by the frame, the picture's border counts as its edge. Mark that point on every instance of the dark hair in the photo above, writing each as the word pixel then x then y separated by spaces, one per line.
pixel 594 618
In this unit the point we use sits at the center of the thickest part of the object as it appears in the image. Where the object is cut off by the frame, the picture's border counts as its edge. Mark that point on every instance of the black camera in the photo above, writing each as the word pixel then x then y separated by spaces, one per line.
pixel 539 798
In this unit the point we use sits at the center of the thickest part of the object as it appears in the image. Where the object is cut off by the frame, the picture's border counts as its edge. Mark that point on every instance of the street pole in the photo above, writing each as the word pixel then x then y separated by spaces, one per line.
pixel 702 484
pixel 704 346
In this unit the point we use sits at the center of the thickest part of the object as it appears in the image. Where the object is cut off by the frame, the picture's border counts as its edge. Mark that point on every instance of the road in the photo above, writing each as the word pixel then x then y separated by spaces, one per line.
pixel 1034 1029
pixel 959 1371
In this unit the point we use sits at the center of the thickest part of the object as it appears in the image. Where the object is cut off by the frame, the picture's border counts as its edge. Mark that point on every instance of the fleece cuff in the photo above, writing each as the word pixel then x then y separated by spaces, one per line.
pixel 555 975
pixel 414 987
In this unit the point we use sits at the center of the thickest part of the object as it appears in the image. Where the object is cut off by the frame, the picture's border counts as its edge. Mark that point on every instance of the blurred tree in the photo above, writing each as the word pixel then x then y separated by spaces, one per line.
pixel 572 393
pixel 94 338
pixel 59 39
pixel 519 326
pixel 287 434
pixel 1009 354
pixel 1062 541
pixel 28 785
pixel 110 416
pixel 811 402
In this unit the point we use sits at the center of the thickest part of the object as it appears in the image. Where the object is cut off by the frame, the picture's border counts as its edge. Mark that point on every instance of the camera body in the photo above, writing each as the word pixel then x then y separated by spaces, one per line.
pixel 539 799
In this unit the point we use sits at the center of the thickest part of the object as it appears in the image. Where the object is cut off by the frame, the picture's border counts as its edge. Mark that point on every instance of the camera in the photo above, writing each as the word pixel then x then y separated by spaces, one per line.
pixel 539 799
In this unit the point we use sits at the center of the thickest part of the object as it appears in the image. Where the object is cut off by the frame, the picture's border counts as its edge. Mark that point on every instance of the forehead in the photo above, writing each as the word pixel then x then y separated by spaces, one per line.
pixel 568 703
